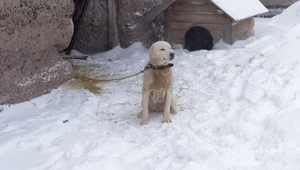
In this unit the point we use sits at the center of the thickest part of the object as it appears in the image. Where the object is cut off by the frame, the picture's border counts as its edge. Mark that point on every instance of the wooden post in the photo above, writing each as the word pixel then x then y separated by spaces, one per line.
pixel 227 33
pixel 168 27
pixel 77 25
pixel 112 24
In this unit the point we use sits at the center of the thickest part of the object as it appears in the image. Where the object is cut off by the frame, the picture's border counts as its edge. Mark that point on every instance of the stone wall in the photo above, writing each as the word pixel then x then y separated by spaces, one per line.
pixel 32 32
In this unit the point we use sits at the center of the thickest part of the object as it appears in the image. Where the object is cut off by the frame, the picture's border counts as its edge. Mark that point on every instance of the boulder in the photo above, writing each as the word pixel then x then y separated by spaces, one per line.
pixel 92 35
pixel 93 32
pixel 131 26
pixel 32 34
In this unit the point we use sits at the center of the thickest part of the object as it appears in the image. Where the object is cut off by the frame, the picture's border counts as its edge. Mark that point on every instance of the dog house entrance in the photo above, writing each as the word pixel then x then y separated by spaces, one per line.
pixel 198 38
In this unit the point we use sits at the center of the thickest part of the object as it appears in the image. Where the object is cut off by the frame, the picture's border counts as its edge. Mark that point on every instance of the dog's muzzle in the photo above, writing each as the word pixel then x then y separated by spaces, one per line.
pixel 172 56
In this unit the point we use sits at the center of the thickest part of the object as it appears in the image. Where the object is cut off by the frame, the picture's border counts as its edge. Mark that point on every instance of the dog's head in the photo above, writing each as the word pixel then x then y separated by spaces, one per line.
pixel 161 53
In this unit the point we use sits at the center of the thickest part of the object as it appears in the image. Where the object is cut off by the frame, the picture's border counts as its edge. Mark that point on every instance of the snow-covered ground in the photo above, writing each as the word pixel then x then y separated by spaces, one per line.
pixel 239 109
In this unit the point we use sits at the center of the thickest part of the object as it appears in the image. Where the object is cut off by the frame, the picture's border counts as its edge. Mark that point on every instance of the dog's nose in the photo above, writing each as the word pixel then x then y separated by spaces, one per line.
pixel 172 55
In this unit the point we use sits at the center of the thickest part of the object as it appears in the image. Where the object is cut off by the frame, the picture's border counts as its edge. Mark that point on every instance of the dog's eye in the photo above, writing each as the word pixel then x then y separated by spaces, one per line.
pixel 162 49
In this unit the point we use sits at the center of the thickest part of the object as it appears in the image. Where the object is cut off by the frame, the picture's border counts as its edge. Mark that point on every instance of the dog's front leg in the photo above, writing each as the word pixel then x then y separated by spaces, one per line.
pixel 173 106
pixel 145 105
pixel 166 118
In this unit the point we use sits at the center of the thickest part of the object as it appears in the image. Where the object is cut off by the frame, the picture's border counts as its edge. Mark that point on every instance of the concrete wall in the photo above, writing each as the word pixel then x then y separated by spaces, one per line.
pixel 32 32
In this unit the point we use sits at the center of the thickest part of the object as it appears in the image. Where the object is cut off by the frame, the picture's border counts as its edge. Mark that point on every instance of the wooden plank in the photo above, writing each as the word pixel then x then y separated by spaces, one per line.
pixel 186 26
pixel 227 34
pixel 112 24
pixel 149 16
pixel 195 17
pixel 216 33
pixel 168 27
pixel 178 41
pixel 250 33
pixel 181 34
pixel 182 40
pixel 216 40
pixel 241 36
pixel 278 2
pixel 191 6
pixel 243 26
pixel 247 33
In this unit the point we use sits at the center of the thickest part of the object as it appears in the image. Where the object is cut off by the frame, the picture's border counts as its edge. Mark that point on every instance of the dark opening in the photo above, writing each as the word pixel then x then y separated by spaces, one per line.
pixel 198 38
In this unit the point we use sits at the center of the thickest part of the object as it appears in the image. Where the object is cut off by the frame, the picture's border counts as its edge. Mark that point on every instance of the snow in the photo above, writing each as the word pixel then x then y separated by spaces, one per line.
pixel 238 109
pixel 288 18
pixel 241 9
pixel 46 74
pixel 138 14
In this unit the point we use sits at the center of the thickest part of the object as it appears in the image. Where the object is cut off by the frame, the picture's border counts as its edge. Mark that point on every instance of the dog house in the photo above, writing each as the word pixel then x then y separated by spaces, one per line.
pixel 198 24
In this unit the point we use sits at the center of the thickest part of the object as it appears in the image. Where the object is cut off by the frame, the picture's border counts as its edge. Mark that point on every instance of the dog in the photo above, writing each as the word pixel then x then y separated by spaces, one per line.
pixel 157 92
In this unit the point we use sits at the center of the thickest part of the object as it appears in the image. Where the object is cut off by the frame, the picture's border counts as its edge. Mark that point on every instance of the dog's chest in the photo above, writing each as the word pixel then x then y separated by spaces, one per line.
pixel 158 96
pixel 161 81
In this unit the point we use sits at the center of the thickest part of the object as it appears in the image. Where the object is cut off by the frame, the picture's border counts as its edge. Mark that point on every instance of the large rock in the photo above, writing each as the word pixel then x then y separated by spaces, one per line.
pixel 32 32
pixel 131 27
pixel 93 32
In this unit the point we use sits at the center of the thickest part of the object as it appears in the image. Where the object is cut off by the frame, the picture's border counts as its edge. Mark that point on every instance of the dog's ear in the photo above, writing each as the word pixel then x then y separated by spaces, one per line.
pixel 151 51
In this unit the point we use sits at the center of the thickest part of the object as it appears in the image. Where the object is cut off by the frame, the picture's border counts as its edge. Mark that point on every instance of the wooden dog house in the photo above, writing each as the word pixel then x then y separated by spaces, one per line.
pixel 230 20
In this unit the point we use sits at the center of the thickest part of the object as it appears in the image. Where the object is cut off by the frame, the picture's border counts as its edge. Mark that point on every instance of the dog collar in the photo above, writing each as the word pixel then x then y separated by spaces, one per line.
pixel 159 67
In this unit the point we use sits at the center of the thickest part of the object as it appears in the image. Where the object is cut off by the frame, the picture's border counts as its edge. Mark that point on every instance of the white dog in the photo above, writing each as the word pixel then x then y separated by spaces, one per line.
pixel 157 93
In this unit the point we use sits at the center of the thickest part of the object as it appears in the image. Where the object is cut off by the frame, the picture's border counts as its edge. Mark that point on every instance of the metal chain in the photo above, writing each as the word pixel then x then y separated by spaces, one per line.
pixel 150 66
pixel 113 79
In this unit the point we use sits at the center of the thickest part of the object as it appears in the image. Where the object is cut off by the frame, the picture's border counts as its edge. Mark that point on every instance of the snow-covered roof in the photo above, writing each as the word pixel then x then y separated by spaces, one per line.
pixel 241 9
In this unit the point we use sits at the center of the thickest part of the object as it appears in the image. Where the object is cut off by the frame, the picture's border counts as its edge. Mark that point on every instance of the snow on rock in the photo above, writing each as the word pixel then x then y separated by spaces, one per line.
pixel 46 74
pixel 239 10
pixel 238 109
pixel 138 14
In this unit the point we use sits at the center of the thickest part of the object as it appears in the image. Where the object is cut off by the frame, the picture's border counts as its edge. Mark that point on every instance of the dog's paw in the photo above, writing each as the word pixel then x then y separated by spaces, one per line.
pixel 144 122
pixel 140 115
pixel 173 110
pixel 166 120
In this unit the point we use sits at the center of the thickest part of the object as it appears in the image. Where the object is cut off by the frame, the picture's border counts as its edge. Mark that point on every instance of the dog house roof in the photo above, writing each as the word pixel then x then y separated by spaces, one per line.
pixel 241 9
pixel 236 9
